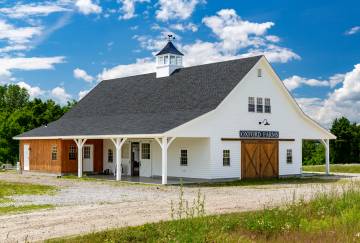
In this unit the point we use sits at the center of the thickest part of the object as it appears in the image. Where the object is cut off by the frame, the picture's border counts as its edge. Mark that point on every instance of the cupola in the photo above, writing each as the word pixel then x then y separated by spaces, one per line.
pixel 168 59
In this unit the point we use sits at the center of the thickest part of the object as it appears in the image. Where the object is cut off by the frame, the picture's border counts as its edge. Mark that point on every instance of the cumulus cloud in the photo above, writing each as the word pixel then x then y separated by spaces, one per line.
pixel 82 74
pixel 82 93
pixel 34 91
pixel 88 7
pixel 176 9
pixel 17 35
pixel 343 101
pixel 184 27
pixel 128 8
pixel 60 95
pixel 20 11
pixel 354 30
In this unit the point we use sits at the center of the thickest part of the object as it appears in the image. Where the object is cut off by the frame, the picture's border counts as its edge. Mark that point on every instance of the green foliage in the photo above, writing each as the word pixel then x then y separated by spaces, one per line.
pixel 18 114
pixel 342 168
pixel 313 153
pixel 329 217
pixel 14 188
pixel 24 208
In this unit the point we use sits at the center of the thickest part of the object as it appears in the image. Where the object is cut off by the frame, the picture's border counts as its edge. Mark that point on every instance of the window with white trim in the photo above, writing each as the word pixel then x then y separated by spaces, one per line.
pixel 53 152
pixel 178 61
pixel 259 72
pixel 172 60
pixel 72 152
pixel 289 156
pixel 259 104
pixel 161 60
pixel 166 60
pixel 226 157
pixel 183 157
pixel 145 150
pixel 251 104
pixel 267 105
pixel 110 156
pixel 87 152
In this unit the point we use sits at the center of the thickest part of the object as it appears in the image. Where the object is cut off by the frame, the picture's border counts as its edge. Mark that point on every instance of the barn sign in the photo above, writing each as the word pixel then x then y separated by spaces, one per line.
pixel 258 134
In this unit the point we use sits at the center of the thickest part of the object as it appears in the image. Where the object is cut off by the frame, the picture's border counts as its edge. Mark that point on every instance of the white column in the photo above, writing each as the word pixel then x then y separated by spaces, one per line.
pixel 327 156
pixel 80 143
pixel 118 142
pixel 164 147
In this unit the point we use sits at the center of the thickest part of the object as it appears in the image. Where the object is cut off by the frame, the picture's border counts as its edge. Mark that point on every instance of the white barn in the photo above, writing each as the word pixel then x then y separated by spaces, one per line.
pixel 232 119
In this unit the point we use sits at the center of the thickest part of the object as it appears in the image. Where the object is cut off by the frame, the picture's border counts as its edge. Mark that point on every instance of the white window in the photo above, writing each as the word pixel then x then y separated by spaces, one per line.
pixel 226 157
pixel 72 152
pixel 145 150
pixel 267 105
pixel 110 156
pixel 178 61
pixel 289 157
pixel 259 72
pixel 172 60
pixel 160 60
pixel 87 152
pixel 166 59
pixel 259 105
pixel 251 105
pixel 183 157
pixel 53 152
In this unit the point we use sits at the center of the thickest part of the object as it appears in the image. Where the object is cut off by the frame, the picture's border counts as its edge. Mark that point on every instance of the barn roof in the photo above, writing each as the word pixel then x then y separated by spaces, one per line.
pixel 144 104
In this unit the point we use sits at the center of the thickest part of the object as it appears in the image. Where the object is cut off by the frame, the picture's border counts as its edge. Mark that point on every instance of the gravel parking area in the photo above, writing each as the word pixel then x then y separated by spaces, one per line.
pixel 85 206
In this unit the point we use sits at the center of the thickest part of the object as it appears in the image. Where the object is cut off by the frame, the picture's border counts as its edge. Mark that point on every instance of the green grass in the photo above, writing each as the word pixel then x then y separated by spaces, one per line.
pixel 24 208
pixel 343 168
pixel 261 182
pixel 329 217
pixel 8 189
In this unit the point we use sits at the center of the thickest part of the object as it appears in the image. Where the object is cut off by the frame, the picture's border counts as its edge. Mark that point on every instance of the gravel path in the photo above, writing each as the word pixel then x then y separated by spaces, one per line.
pixel 86 206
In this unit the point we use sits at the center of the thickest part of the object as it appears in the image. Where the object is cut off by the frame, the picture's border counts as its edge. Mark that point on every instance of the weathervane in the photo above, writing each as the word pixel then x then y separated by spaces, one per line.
pixel 171 37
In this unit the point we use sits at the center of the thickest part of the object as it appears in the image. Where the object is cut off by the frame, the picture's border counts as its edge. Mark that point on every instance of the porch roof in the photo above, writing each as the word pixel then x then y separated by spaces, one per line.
pixel 144 104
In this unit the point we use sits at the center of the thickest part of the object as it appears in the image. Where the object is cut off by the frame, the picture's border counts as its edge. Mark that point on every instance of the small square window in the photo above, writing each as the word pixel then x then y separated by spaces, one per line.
pixel 183 157
pixel 251 104
pixel 267 105
pixel 259 105
pixel 226 157
pixel 72 152
pixel 259 72
pixel 289 157
pixel 145 150
pixel 53 152
pixel 110 156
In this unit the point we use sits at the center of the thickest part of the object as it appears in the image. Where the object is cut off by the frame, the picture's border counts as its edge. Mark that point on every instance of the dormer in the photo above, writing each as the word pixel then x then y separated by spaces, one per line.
pixel 168 60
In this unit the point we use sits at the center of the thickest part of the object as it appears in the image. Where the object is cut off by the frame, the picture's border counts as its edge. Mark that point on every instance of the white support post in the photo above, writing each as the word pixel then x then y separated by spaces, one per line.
pixel 80 143
pixel 327 156
pixel 164 148
pixel 325 142
pixel 164 144
pixel 118 142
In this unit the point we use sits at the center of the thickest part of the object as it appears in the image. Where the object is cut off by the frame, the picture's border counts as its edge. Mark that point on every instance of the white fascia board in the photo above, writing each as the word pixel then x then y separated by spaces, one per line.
pixel 94 136
pixel 296 105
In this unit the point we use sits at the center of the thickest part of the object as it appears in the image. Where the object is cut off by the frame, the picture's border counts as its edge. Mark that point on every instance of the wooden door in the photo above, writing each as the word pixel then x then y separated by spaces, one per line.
pixel 259 159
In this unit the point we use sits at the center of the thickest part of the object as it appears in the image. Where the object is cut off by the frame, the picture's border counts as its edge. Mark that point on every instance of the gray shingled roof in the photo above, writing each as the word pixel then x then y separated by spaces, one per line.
pixel 144 104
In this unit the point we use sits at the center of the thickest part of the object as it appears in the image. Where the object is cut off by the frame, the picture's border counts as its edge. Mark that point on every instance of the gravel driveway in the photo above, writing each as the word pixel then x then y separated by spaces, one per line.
pixel 85 206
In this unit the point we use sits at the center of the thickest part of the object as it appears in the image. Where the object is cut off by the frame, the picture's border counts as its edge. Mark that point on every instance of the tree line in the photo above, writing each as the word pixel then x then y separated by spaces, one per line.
pixel 345 149
pixel 19 114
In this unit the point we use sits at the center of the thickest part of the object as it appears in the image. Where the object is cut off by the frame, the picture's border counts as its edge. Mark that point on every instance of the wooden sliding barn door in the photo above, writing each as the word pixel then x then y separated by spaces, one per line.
pixel 259 159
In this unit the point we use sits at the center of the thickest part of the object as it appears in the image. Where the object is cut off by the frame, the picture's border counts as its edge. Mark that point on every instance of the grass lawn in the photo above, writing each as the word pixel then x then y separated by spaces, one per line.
pixel 260 182
pixel 344 168
pixel 329 217
pixel 13 188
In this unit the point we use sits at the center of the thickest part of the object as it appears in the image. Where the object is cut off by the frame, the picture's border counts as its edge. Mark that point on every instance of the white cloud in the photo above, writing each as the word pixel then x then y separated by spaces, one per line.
pixel 343 101
pixel 176 9
pixel 31 10
pixel 60 95
pixel 82 93
pixel 81 74
pixel 88 7
pixel 272 38
pixel 234 32
pixel 353 30
pixel 141 66
pixel 128 8
pixel 34 91
pixel 184 27
pixel 295 81
pixel 18 35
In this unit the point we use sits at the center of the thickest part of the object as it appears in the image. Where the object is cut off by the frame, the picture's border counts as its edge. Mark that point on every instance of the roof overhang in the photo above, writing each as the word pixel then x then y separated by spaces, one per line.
pixel 93 136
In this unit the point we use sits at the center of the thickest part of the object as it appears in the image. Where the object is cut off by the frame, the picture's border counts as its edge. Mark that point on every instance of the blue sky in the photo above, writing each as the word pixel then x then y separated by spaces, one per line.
pixel 61 49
